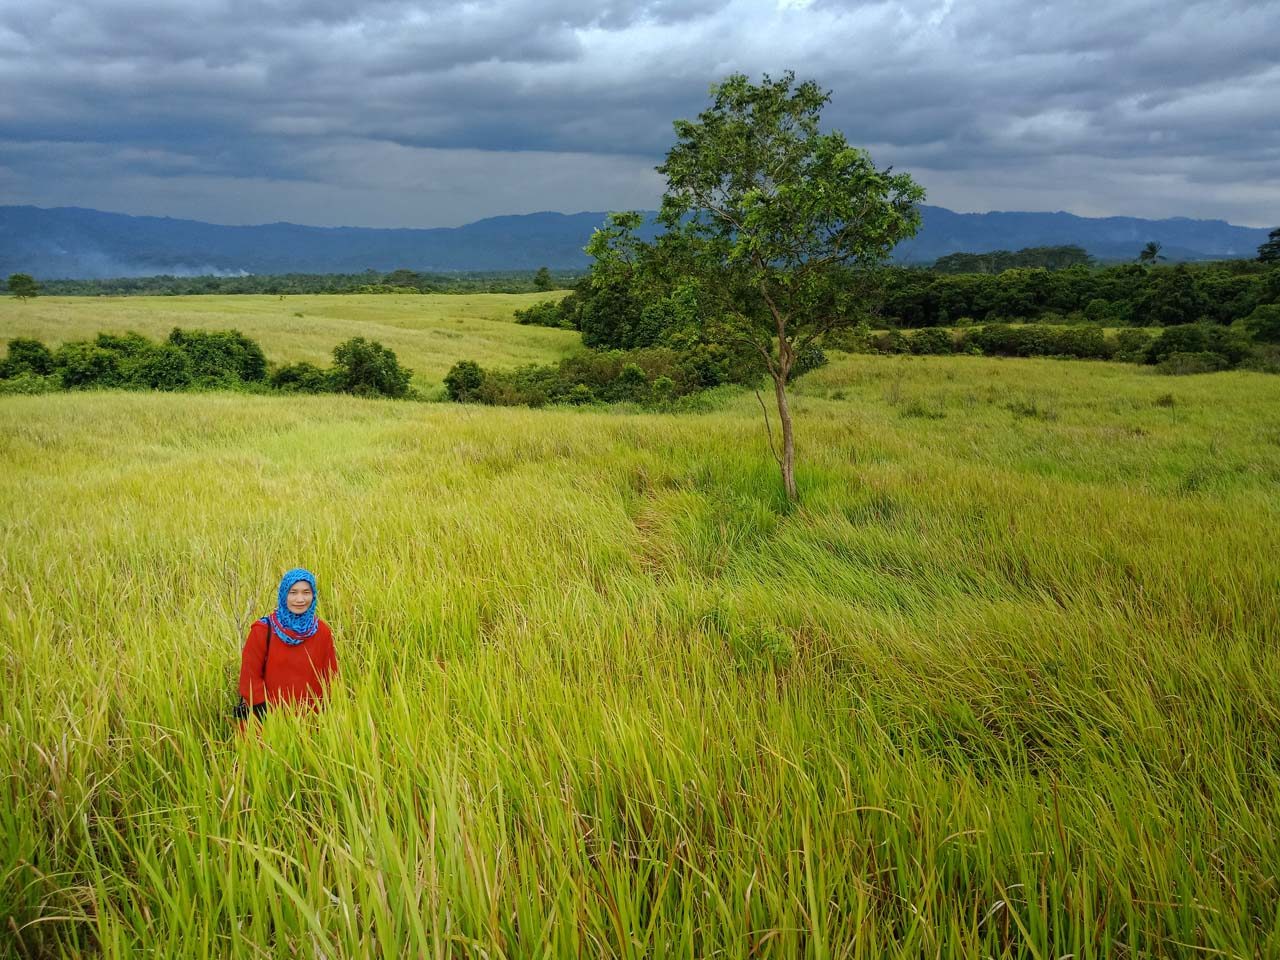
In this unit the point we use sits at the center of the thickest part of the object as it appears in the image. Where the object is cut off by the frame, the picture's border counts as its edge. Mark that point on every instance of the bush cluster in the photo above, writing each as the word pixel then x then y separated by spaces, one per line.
pixel 649 376
pixel 1186 348
pixel 133 362
pixel 999 340
pixel 1039 340
pixel 545 313
pixel 1228 346
pixel 195 359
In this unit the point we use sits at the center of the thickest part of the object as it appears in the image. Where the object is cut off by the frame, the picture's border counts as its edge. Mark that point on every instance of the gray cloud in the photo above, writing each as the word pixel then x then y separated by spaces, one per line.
pixel 417 114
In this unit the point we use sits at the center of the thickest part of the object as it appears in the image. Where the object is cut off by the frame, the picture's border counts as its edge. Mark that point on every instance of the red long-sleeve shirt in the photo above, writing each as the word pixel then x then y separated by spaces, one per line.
pixel 273 671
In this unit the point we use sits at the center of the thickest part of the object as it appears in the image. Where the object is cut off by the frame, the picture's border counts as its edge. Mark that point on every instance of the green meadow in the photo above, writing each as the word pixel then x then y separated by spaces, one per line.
pixel 1006 683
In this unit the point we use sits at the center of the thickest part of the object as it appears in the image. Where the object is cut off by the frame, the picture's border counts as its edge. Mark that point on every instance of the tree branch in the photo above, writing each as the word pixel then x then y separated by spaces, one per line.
pixel 773 447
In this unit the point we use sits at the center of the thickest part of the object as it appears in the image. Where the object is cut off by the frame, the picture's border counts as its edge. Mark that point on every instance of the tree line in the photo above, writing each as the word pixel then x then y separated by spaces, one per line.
pixel 617 314
pixel 997 261
pixel 1123 295
pixel 401 281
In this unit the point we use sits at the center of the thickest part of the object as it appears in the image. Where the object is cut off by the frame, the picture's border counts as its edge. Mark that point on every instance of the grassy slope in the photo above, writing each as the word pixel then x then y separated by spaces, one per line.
pixel 1006 684
pixel 429 333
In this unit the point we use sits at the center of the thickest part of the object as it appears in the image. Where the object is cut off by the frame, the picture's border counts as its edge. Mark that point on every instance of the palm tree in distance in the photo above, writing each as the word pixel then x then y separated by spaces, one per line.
pixel 1151 253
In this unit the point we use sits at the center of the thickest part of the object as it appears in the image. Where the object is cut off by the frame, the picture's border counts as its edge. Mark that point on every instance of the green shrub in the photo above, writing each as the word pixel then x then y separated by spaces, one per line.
pixel 994 340
pixel 1231 345
pixel 1130 345
pixel 1084 342
pixel 663 390
pixel 463 382
pixel 1002 340
pixel 125 345
pixel 810 358
pixel 654 375
pixel 301 378
pixel 158 367
pixel 631 385
pixel 547 313
pixel 127 360
pixel 1263 324
pixel 1265 359
pixel 891 342
pixel 702 364
pixel 531 386
pixel 1186 338
pixel 855 338
pixel 200 358
pixel 580 394
pixel 367 368
pixel 81 365
pixel 26 356
pixel 932 341
pixel 29 383
pixel 689 372
pixel 221 356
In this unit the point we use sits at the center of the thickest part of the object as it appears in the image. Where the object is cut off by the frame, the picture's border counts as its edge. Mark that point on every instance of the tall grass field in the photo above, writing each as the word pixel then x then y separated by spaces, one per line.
pixel 1005 684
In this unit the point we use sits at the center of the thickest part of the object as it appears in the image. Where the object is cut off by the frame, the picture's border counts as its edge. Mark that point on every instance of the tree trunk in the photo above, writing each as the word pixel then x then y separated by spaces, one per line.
pixel 788 439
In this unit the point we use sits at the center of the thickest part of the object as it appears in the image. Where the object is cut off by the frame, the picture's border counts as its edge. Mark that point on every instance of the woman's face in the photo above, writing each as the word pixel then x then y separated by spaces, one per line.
pixel 299 597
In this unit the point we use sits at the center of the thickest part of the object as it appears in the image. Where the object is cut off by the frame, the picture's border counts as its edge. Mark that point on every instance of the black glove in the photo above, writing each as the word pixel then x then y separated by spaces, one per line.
pixel 241 711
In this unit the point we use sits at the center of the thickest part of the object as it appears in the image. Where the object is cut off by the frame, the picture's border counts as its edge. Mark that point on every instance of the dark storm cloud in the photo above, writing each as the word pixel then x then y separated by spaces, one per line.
pixel 418 113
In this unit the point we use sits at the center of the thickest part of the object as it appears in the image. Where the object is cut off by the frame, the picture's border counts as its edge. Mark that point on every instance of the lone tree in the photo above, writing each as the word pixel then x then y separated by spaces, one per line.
pixel 1269 252
pixel 23 285
pixel 542 280
pixel 776 230
pixel 1151 252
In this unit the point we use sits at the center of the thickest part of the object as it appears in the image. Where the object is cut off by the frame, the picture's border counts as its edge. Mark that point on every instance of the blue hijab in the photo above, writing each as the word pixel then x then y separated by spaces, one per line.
pixel 292 628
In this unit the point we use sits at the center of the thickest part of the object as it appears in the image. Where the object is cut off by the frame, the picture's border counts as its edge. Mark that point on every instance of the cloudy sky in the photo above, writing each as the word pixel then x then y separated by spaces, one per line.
pixel 434 114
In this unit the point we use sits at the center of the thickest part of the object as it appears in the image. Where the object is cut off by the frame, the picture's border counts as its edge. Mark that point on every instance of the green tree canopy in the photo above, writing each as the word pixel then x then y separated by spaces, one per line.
pixel 775 230
pixel 23 285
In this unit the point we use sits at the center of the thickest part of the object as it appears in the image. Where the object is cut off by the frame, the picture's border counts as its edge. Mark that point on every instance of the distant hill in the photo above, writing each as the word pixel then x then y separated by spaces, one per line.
pixel 1107 238
pixel 75 242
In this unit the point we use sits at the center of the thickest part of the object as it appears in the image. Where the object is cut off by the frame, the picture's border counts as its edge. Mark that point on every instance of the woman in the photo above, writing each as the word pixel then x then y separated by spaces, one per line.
pixel 288 656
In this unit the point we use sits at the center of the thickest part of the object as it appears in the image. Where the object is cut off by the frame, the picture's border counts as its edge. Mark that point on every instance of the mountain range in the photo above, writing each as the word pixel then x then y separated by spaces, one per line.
pixel 73 242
